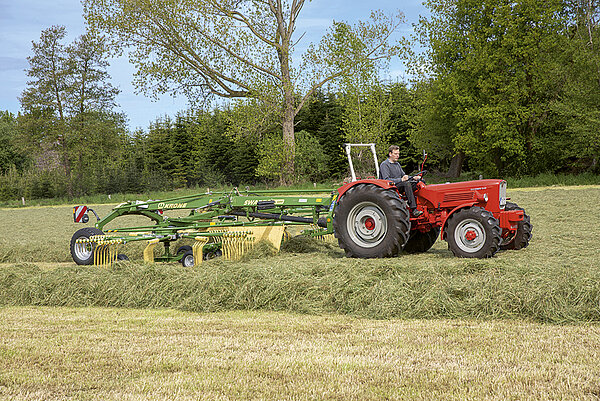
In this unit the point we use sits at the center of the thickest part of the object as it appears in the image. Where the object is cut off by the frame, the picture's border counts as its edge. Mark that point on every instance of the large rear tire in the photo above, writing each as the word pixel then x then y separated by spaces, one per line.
pixel 520 239
pixel 421 242
pixel 371 222
pixel 83 254
pixel 473 233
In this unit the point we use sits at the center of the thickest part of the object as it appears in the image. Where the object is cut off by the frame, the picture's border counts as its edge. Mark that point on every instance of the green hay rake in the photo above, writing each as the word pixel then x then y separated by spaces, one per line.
pixel 218 223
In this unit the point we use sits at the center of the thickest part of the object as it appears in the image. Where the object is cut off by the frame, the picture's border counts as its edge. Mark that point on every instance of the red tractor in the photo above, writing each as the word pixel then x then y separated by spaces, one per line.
pixel 372 218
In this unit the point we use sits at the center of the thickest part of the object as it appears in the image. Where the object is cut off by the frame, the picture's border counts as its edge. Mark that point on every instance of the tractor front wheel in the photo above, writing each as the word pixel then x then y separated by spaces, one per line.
pixel 83 253
pixel 520 238
pixel 473 233
pixel 371 222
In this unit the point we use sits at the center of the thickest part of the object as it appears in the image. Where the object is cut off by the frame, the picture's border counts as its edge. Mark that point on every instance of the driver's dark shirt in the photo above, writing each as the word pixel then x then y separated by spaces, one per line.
pixel 391 171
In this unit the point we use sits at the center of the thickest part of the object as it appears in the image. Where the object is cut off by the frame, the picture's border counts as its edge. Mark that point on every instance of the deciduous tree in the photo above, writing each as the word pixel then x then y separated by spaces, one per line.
pixel 491 76
pixel 68 104
pixel 237 49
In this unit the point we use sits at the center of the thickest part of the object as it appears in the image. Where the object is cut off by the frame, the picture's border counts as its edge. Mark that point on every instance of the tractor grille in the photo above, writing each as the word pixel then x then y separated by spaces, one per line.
pixel 461 196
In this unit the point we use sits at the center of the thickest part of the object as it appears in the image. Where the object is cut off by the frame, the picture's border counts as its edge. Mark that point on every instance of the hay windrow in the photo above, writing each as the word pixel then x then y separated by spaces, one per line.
pixel 345 286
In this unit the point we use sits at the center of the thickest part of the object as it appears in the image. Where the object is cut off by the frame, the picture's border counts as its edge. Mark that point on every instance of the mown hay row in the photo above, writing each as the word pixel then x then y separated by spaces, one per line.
pixel 317 284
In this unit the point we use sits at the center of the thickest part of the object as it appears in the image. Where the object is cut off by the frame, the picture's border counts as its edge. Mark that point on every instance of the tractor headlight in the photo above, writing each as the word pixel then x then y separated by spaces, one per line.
pixel 502 194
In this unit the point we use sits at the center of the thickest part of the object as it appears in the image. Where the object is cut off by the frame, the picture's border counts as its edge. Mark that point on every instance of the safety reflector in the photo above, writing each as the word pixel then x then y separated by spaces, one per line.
pixel 78 213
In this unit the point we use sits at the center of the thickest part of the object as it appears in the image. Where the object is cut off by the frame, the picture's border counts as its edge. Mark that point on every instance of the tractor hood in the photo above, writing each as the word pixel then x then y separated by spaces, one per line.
pixel 490 192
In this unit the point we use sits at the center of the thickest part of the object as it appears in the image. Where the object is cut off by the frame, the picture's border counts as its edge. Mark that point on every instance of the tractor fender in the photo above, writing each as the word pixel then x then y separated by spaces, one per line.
pixel 456 209
pixel 385 184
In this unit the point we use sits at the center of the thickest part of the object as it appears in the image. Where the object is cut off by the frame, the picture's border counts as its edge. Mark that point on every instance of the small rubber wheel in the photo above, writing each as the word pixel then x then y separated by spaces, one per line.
pixel 212 254
pixel 122 256
pixel 187 260
pixel 83 254
pixel 473 233
pixel 421 242
pixel 521 237
pixel 184 249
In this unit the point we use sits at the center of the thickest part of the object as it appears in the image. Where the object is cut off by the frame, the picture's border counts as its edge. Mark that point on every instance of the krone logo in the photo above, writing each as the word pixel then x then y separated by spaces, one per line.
pixel 163 205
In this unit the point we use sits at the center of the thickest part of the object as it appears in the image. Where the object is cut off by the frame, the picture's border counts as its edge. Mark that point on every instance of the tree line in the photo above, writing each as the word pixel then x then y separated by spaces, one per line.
pixel 504 88
pixel 194 148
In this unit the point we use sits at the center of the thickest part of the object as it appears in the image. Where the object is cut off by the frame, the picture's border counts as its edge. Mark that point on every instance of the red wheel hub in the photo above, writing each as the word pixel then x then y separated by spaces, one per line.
pixel 370 223
pixel 470 235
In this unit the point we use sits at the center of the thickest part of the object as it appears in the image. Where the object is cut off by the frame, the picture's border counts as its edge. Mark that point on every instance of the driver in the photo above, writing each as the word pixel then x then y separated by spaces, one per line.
pixel 391 170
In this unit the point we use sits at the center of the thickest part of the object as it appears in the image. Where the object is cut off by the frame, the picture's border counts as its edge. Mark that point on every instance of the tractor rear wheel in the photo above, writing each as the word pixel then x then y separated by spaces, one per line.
pixel 473 233
pixel 421 242
pixel 520 238
pixel 371 222
pixel 83 254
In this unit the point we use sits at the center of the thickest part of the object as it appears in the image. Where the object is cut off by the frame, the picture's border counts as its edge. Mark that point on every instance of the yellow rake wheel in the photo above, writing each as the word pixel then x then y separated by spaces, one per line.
pixel 149 250
pixel 197 249
pixel 106 251
pixel 237 241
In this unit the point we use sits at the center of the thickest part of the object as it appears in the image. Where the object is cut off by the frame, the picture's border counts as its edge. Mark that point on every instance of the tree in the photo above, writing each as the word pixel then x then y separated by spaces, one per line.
pixel 491 76
pixel 44 99
pixel 577 109
pixel 68 103
pixel 322 118
pixel 237 49
pixel 10 154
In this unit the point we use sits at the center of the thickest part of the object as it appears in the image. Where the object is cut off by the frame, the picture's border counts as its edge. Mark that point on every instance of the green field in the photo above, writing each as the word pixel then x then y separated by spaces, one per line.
pixel 522 325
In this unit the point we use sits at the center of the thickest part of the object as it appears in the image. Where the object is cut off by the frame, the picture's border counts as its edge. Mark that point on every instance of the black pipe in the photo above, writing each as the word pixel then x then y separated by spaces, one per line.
pixel 322 222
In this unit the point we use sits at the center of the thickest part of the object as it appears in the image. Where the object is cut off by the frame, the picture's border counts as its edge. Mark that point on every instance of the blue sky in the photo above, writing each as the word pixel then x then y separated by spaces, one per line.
pixel 21 22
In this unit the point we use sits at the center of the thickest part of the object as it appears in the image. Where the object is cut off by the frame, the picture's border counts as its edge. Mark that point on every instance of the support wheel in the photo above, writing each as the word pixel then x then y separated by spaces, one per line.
pixel 520 238
pixel 83 254
pixel 187 260
pixel 421 242
pixel 473 233
pixel 212 254
pixel 371 222
pixel 183 249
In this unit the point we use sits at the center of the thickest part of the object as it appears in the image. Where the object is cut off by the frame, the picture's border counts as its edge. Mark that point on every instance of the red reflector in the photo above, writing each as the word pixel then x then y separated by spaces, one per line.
pixel 79 212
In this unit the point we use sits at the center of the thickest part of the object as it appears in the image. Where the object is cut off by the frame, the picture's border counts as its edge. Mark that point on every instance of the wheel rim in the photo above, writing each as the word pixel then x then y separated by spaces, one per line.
pixel 469 235
pixel 188 261
pixel 83 251
pixel 367 224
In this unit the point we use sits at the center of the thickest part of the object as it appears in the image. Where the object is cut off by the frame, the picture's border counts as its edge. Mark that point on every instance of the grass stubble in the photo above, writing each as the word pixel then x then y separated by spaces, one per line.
pixel 166 354
pixel 131 354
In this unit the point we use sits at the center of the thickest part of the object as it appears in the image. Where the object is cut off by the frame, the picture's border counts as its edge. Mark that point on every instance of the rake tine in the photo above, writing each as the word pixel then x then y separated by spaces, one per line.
pixel 149 250
pixel 197 249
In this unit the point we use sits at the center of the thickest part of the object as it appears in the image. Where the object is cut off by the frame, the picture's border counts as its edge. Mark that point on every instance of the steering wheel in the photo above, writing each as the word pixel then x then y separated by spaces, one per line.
pixel 421 173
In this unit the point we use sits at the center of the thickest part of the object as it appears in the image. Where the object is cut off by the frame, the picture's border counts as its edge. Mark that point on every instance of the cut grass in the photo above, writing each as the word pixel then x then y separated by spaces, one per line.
pixel 116 354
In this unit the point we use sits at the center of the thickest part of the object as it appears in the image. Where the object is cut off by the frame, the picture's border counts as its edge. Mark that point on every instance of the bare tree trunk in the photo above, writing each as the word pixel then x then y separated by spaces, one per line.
pixel 287 176
pixel 64 150
pixel 456 165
